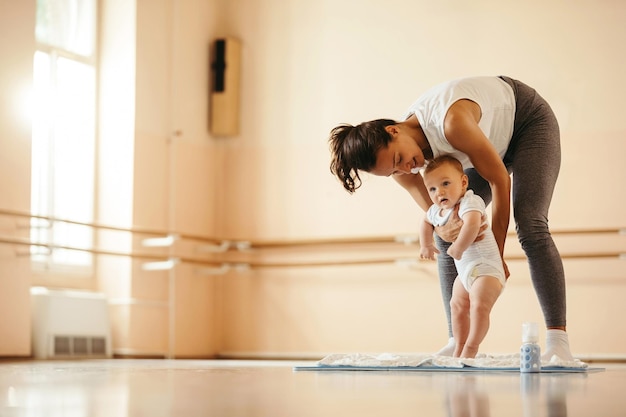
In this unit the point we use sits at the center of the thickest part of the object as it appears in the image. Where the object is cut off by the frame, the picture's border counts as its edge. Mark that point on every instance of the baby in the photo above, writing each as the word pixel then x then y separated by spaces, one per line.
pixel 481 276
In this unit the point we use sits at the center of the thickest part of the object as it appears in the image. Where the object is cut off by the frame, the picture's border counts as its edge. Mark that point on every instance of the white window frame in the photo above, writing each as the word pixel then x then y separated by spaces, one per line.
pixel 49 270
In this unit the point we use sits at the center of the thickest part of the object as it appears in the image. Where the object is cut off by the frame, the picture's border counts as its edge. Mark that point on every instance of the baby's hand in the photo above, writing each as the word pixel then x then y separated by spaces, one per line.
pixel 428 252
pixel 453 252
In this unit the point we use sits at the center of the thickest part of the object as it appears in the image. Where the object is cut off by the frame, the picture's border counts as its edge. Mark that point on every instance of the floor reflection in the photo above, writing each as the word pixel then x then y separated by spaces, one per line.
pixel 467 397
pixel 538 389
pixel 541 394
pixel 187 388
pixel 58 389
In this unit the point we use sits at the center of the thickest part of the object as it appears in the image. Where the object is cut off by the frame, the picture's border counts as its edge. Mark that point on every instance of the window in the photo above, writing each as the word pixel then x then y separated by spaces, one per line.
pixel 63 151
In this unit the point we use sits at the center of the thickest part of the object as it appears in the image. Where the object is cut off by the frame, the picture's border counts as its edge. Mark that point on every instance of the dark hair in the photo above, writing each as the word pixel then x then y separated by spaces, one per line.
pixel 354 148
pixel 442 160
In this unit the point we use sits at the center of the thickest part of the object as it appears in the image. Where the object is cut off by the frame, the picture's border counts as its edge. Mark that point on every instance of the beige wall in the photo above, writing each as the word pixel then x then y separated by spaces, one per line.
pixel 307 66
pixel 311 65
pixel 17 39
pixel 165 178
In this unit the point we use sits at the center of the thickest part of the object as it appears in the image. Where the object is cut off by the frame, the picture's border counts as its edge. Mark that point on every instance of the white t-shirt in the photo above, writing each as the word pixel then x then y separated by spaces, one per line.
pixel 497 104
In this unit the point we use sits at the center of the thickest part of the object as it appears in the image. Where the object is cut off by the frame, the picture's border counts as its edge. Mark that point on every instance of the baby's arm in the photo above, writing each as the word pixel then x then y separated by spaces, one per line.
pixel 472 221
pixel 427 242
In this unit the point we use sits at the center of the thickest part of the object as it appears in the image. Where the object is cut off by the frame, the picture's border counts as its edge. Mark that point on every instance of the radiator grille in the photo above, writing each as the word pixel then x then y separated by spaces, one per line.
pixel 79 346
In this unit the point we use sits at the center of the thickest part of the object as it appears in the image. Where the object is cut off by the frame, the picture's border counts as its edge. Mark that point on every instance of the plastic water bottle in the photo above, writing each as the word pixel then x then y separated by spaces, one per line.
pixel 530 352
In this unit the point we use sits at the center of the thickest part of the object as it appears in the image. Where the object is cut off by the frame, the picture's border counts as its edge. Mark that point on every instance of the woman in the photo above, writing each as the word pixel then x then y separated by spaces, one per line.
pixel 496 126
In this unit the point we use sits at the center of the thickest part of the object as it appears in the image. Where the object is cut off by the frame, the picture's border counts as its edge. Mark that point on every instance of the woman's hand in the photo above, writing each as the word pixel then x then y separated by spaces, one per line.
pixel 450 231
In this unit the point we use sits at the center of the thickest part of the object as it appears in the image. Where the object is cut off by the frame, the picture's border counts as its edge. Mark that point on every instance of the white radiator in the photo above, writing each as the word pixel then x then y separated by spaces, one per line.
pixel 70 324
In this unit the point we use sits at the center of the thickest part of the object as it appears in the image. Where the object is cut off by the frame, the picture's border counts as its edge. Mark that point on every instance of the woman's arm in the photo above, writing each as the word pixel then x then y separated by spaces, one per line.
pixel 463 133
pixel 414 184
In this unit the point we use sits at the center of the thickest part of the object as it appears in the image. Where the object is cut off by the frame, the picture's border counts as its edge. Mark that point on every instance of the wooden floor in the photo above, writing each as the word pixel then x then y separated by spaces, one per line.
pixel 120 387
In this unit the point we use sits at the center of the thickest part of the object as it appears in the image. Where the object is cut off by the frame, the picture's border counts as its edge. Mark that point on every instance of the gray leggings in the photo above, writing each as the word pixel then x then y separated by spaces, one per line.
pixel 534 159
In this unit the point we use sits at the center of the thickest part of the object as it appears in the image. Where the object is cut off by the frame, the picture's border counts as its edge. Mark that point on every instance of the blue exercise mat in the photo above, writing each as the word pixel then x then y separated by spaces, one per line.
pixel 433 363
pixel 547 369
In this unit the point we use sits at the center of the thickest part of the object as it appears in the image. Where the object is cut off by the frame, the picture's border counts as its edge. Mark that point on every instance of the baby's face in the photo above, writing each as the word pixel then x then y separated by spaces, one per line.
pixel 445 185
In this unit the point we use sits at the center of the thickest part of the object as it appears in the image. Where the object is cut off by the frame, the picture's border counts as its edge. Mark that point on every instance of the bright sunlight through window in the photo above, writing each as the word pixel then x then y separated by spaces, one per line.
pixel 63 151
